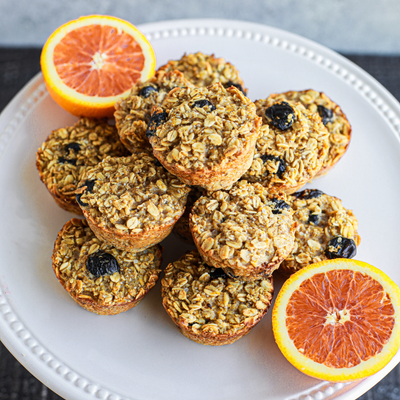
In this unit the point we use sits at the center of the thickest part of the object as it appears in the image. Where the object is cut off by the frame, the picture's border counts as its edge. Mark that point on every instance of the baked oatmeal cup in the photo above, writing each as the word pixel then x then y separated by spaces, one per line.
pixel 205 136
pixel 325 230
pixel 333 118
pixel 208 306
pixel 245 230
pixel 131 202
pixel 133 113
pixel 67 152
pixel 204 70
pixel 291 148
pixel 99 277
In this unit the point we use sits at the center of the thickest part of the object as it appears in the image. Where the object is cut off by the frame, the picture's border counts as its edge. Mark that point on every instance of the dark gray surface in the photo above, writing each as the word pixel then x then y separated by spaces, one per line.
pixel 17 66
pixel 342 25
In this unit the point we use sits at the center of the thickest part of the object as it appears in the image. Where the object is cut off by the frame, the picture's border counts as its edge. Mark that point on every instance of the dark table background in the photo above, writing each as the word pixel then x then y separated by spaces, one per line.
pixel 17 67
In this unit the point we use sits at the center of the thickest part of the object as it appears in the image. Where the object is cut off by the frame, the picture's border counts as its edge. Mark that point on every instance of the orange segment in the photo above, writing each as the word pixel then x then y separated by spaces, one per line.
pixel 90 63
pixel 337 320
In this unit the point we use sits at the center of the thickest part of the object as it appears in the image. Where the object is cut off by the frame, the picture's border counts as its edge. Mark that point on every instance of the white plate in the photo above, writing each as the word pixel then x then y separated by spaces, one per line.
pixel 140 354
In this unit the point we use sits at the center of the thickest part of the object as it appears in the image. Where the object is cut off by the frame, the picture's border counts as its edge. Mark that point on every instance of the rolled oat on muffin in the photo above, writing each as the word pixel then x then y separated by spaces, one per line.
pixel 245 230
pixel 205 70
pixel 325 230
pixel 291 148
pixel 333 118
pixel 205 136
pixel 67 152
pixel 131 202
pixel 133 113
pixel 208 306
pixel 99 277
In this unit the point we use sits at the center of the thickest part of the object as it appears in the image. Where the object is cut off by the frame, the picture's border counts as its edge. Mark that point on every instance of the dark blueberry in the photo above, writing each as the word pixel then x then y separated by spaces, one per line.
pixel 191 323
pixel 80 202
pixel 89 187
pixel 102 263
pixel 279 205
pixel 156 119
pixel 63 160
pixel 237 85
pixel 309 194
pixel 281 166
pixel 314 219
pixel 203 103
pixel 341 247
pixel 147 91
pixel 326 114
pixel 72 146
pixel 281 115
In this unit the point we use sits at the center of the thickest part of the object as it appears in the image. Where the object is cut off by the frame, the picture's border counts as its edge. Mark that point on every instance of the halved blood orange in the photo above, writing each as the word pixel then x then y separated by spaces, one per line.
pixel 338 320
pixel 90 63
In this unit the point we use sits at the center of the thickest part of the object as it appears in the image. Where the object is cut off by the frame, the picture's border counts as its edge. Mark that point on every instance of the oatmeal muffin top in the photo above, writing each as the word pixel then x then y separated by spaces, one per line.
pixel 202 128
pixel 292 145
pixel 91 269
pixel 332 117
pixel 244 230
pixel 205 70
pixel 133 113
pixel 130 194
pixel 325 230
pixel 205 300
pixel 68 152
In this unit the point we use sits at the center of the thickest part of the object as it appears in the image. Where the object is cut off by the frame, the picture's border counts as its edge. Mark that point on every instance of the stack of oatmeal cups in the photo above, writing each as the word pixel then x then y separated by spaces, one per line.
pixel 191 153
